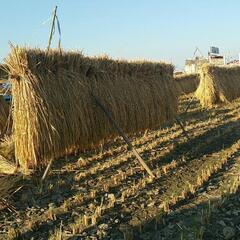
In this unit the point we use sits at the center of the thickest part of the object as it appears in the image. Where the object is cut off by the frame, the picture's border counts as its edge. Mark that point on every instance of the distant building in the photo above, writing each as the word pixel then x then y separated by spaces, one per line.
pixel 217 60
pixel 234 62
pixel 214 57
pixel 194 65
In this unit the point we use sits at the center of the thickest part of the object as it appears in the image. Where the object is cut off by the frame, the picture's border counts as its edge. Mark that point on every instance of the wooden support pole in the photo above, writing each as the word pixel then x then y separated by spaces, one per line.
pixel 183 129
pixel 120 131
pixel 52 28
pixel 47 170
pixel 189 105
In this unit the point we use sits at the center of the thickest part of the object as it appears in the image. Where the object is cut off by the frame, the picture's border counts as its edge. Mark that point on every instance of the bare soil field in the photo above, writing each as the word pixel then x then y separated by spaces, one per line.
pixel 104 194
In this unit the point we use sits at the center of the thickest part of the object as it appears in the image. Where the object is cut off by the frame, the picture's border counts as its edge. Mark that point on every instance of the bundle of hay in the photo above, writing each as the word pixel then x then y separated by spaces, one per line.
pixel 4 115
pixel 54 113
pixel 218 84
pixel 187 83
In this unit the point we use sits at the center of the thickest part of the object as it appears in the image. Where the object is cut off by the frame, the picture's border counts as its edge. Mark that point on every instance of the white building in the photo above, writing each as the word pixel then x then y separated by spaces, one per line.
pixel 194 65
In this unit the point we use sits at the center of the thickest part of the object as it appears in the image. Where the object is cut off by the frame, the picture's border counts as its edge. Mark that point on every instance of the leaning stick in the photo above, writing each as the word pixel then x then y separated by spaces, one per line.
pixel 47 169
pixel 120 131
pixel 189 104
pixel 183 129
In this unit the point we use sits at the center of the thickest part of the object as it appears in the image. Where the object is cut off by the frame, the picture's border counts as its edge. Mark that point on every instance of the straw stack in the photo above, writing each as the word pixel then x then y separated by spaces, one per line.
pixel 187 83
pixel 218 84
pixel 54 112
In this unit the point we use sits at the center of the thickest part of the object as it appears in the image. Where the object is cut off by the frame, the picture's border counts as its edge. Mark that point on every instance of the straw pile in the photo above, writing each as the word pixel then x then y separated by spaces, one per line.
pixel 187 83
pixel 55 115
pixel 218 84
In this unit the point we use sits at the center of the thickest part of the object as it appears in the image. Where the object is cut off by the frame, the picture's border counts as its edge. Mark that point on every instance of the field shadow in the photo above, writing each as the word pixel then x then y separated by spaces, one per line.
pixel 203 221
pixel 60 184
pixel 53 192
pixel 191 219
pixel 220 140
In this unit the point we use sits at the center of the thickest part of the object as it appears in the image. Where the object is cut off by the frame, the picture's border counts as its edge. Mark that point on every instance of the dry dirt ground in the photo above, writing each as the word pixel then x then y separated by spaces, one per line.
pixel 105 194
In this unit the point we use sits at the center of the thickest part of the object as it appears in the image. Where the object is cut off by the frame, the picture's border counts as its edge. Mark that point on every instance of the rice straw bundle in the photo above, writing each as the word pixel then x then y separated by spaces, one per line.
pixel 218 84
pixel 187 83
pixel 55 115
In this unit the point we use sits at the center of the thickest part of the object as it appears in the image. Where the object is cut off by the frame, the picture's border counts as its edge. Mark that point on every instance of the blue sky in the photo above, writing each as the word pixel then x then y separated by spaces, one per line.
pixel 130 29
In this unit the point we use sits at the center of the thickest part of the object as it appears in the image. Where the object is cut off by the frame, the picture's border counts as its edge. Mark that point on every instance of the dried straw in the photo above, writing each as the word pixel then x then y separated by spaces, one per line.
pixel 7 147
pixel 8 186
pixel 6 166
pixel 218 84
pixel 7 158
pixel 187 83
pixel 55 115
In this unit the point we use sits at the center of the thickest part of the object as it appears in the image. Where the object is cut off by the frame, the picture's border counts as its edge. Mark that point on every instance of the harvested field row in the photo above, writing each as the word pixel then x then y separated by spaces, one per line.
pixel 205 215
pixel 153 148
pixel 134 192
pixel 121 196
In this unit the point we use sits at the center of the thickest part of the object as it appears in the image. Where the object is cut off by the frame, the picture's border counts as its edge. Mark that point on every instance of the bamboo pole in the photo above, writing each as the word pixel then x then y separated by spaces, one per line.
pixel 183 129
pixel 189 104
pixel 52 28
pixel 47 170
pixel 120 131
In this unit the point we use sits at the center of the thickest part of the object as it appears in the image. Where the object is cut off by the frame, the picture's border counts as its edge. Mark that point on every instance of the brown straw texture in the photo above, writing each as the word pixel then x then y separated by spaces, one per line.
pixel 55 115
pixel 218 84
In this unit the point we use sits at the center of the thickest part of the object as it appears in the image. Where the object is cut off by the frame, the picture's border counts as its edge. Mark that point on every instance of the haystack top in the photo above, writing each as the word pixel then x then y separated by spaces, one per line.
pixel 214 67
pixel 21 59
